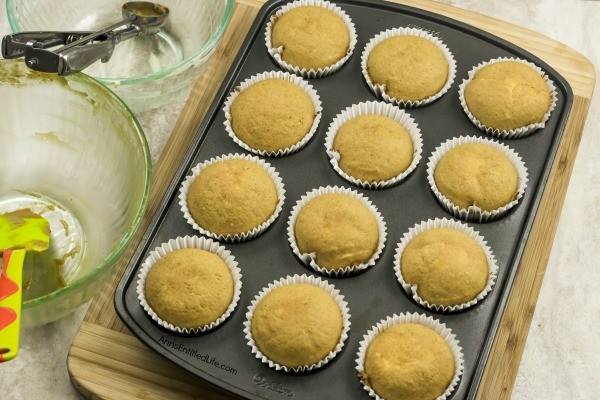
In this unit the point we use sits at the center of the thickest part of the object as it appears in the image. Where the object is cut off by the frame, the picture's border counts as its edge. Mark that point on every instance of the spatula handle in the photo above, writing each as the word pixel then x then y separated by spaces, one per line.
pixel 10 303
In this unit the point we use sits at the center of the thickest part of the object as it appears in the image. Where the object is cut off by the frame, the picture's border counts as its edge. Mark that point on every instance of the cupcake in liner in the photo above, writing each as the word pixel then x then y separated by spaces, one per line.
pixel 379 90
pixel 411 290
pixel 379 108
pixel 276 52
pixel 312 93
pixel 188 242
pixel 291 280
pixel 310 259
pixel 512 133
pixel 474 213
pixel 243 236
pixel 415 318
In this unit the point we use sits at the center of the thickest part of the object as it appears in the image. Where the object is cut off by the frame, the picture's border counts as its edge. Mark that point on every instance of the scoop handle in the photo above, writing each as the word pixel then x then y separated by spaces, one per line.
pixel 10 303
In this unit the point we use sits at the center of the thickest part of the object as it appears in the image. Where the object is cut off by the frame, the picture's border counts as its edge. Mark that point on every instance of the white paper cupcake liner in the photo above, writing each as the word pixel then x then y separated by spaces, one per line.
pixel 416 318
pixel 312 93
pixel 512 133
pixel 379 108
pixel 474 213
pixel 240 237
pixel 309 259
pixel 291 280
pixel 187 242
pixel 411 290
pixel 379 90
pixel 311 73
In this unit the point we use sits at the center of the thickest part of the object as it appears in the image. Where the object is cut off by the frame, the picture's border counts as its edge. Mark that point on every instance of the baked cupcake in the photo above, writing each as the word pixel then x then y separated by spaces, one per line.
pixel 445 265
pixel 373 144
pixel 508 97
pixel 475 178
pixel 298 323
pixel 336 231
pixel 272 114
pixel 410 357
pixel 232 198
pixel 476 174
pixel 408 66
pixel 201 301
pixel 373 148
pixel 313 39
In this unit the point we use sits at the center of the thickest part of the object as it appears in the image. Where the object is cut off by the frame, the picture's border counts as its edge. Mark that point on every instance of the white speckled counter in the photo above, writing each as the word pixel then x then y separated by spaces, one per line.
pixel 563 347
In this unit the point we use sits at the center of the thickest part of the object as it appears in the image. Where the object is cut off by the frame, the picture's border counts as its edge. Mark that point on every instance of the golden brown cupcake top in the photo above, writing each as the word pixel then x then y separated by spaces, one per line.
pixel 508 95
pixel 296 325
pixel 409 362
pixel 232 197
pixel 189 288
pixel 373 148
pixel 272 115
pixel 477 174
pixel 448 266
pixel 340 229
pixel 312 37
pixel 409 67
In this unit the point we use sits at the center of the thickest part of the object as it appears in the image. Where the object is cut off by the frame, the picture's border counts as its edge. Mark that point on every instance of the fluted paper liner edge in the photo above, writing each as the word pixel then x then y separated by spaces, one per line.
pixel 242 236
pixel 378 108
pixel 309 259
pixel 291 280
pixel 474 213
pixel 416 318
pixel 508 133
pixel 275 52
pixel 379 90
pixel 413 232
pixel 185 242
pixel 304 85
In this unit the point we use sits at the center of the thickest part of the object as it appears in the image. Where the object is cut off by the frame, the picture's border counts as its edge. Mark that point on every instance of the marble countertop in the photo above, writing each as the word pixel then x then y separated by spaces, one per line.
pixel 562 353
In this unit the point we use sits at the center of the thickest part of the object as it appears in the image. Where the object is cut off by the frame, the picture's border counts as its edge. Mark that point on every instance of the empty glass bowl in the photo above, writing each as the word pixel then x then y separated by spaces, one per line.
pixel 145 72
pixel 73 152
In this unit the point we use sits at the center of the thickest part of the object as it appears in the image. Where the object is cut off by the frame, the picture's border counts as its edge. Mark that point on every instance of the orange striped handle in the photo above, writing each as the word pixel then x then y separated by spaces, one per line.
pixel 10 303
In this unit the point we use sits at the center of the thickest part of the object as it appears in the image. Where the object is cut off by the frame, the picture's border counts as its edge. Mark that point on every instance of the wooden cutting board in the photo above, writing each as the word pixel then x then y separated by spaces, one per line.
pixel 107 362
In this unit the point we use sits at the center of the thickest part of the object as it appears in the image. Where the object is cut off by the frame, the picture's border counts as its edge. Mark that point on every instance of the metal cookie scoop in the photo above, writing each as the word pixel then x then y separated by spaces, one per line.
pixel 81 49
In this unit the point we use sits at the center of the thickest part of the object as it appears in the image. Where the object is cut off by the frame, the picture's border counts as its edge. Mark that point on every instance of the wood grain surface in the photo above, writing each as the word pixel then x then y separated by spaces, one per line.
pixel 107 362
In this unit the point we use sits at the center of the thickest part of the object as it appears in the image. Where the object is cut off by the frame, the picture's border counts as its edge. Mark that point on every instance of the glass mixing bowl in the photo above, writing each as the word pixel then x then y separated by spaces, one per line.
pixel 145 72
pixel 72 152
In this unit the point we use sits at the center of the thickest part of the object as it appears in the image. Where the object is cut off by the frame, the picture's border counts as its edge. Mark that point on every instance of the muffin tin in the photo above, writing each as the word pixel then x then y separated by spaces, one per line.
pixel 222 357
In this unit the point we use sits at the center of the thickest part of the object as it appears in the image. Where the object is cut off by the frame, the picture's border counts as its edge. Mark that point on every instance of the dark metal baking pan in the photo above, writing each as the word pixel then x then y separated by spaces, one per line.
pixel 222 357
